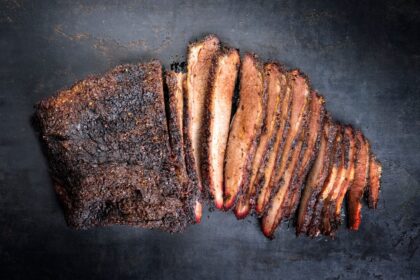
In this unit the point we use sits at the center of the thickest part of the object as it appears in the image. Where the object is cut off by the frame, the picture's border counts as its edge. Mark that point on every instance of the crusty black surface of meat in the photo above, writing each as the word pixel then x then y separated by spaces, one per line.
pixel 107 143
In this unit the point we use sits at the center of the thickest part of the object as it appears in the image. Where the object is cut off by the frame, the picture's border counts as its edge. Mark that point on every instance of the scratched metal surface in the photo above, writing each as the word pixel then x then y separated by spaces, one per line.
pixel 363 56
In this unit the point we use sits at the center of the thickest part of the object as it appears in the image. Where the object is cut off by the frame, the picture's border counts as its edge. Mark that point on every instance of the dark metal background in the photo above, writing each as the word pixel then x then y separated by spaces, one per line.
pixel 363 56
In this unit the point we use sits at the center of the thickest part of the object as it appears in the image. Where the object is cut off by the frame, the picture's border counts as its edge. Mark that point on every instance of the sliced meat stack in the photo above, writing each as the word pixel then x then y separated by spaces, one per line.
pixel 120 155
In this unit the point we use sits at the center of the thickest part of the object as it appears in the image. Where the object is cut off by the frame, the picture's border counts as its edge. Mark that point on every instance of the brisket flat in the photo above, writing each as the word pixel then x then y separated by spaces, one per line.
pixel 107 143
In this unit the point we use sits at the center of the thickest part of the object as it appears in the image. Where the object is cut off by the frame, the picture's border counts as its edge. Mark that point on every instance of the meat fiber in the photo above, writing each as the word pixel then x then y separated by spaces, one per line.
pixel 107 143
pixel 358 187
pixel 219 106
pixel 274 86
pixel 298 116
pixel 200 59
pixel 245 129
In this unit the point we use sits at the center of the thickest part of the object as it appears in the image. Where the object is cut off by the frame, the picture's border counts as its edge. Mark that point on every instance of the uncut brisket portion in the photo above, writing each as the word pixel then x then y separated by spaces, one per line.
pixel 107 143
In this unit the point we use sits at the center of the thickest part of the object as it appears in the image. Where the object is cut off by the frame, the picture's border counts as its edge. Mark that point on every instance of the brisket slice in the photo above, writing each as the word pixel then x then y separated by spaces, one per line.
pixel 274 84
pixel 307 156
pixel 106 140
pixel 315 225
pixel 331 193
pixel 358 187
pixel 200 58
pixel 174 84
pixel 317 176
pixel 245 129
pixel 346 179
pixel 296 123
pixel 217 119
pixel 375 174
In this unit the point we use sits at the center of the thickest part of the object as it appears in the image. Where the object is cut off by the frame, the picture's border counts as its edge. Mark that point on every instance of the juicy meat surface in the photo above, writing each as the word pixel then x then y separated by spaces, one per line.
pixel 107 143
pixel 245 129
pixel 200 58
pixel 315 225
pixel 375 174
pixel 298 113
pixel 309 151
pixel 274 84
pixel 358 187
pixel 219 106
pixel 317 176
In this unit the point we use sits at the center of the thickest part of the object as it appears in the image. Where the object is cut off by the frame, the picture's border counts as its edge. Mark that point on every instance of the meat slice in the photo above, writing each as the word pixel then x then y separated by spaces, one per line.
pixel 317 176
pixel 315 225
pixel 337 195
pixel 375 174
pixel 333 192
pixel 303 152
pixel 174 83
pixel 108 148
pixel 298 114
pixel 274 84
pixel 245 129
pixel 219 106
pixel 200 59
pixel 309 150
pixel 358 187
